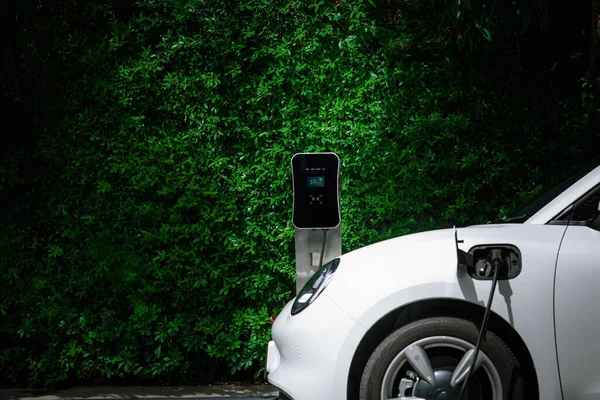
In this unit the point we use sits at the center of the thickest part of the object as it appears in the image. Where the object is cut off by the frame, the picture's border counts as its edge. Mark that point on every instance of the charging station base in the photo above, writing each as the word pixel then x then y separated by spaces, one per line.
pixel 309 243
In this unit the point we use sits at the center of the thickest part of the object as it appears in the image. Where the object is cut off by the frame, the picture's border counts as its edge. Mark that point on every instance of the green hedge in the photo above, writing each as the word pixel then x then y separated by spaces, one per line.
pixel 146 233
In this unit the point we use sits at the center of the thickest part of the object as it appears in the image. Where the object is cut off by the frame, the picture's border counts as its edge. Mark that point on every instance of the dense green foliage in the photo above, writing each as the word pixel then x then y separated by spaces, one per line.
pixel 145 228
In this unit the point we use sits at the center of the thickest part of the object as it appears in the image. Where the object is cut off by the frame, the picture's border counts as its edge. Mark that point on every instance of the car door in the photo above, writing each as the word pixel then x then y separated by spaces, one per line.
pixel 577 299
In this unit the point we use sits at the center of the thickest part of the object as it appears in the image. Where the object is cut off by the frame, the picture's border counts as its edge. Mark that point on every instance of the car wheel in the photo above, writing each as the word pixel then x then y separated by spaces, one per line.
pixel 430 358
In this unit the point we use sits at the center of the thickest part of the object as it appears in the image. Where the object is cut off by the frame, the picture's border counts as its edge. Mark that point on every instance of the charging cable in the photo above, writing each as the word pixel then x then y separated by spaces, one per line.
pixel 323 248
pixel 482 331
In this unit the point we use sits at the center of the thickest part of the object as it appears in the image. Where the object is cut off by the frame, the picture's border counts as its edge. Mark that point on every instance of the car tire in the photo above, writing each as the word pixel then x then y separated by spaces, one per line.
pixel 448 331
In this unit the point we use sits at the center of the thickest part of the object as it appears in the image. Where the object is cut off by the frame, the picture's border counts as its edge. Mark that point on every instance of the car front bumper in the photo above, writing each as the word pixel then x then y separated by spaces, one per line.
pixel 310 355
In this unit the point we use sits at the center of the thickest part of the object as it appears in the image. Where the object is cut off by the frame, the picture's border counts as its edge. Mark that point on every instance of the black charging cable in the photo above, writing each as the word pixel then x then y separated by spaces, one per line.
pixel 482 332
pixel 323 248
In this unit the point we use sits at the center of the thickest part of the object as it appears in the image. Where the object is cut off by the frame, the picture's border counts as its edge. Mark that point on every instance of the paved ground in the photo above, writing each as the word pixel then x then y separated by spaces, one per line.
pixel 112 393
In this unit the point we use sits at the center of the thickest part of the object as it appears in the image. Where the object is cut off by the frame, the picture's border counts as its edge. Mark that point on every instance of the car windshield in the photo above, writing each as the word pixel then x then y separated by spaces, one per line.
pixel 546 196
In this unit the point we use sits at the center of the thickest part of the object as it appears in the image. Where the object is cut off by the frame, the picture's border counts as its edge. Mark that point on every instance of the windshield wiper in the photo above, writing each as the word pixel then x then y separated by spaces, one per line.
pixel 518 218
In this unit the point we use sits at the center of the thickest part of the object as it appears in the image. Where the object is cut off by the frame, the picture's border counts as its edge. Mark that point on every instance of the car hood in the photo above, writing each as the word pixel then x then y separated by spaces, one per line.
pixel 425 266
pixel 409 252
pixel 423 253
pixel 370 273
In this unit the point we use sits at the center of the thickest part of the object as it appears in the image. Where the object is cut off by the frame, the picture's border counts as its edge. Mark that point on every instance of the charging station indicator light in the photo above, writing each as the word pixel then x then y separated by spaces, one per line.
pixel 316 181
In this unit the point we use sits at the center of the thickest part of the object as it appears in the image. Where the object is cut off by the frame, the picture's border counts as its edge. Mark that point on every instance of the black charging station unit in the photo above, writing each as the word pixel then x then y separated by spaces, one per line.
pixel 316 190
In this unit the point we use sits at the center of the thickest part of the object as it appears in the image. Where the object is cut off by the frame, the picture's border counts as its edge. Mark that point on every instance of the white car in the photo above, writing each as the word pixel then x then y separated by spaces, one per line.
pixel 400 319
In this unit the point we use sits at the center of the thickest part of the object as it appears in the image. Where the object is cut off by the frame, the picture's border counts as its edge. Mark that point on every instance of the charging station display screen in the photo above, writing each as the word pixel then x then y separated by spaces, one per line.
pixel 316 181
pixel 316 190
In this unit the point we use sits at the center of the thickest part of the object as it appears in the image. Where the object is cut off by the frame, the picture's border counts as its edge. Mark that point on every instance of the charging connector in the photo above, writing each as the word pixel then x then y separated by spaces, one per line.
pixel 483 329
pixel 503 261
pixel 323 248
pixel 316 257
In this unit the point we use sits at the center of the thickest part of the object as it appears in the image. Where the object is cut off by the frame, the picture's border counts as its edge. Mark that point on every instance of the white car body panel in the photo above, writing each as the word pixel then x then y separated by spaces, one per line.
pixel 374 280
pixel 395 267
pixel 312 349
pixel 577 317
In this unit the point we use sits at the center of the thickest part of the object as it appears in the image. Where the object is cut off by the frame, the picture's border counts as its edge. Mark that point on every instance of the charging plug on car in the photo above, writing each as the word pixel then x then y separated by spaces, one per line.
pixel 480 261
pixel 496 258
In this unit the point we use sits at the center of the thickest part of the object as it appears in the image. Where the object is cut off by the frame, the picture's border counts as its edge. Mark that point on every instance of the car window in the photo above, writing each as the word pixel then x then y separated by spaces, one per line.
pixel 584 211
pixel 550 193
pixel 588 209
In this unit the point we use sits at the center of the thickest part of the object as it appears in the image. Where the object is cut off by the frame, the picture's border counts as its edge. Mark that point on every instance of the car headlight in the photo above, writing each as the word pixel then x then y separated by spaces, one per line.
pixel 315 286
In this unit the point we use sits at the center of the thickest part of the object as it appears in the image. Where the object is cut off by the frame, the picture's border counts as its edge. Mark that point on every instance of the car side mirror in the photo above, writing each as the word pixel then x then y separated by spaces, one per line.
pixel 482 260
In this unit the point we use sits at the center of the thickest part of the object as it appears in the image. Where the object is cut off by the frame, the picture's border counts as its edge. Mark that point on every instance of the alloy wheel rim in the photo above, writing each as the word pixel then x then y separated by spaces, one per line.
pixel 416 357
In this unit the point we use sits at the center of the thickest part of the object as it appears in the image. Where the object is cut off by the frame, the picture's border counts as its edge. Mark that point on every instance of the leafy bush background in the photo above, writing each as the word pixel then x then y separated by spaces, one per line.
pixel 145 228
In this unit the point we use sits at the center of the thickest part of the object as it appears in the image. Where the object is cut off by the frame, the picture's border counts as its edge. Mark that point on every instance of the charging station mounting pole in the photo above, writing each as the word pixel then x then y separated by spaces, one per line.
pixel 316 213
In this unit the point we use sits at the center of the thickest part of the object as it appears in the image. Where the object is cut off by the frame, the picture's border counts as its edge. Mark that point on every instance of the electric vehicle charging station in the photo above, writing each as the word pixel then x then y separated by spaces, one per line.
pixel 316 212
